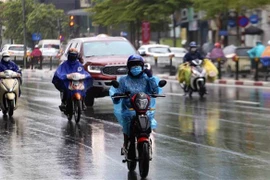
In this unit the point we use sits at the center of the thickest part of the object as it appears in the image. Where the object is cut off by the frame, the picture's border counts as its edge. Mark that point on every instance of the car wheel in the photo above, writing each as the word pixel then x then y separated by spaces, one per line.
pixel 89 100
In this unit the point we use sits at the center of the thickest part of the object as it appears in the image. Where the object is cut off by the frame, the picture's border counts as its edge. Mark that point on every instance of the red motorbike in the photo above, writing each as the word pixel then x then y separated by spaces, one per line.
pixel 139 142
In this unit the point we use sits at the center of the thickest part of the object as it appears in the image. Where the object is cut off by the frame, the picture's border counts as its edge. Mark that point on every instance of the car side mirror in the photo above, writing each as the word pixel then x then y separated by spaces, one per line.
pixel 162 83
pixel 115 84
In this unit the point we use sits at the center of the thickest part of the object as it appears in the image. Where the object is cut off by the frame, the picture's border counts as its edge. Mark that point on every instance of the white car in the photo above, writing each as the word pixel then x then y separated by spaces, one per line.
pixel 16 52
pixel 161 53
pixel 49 47
pixel 179 53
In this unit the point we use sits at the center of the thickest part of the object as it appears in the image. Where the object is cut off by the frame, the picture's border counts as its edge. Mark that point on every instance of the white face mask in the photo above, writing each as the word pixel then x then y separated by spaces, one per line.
pixel 6 59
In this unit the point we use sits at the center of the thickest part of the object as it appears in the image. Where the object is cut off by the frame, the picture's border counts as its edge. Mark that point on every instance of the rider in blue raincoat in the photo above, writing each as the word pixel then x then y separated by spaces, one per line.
pixel 137 80
pixel 7 64
pixel 72 65
pixel 256 52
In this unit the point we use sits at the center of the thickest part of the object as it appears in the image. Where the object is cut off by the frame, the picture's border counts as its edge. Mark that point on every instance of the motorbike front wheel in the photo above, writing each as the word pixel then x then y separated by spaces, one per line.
pixel 144 159
pixel 202 91
pixel 11 105
pixel 77 104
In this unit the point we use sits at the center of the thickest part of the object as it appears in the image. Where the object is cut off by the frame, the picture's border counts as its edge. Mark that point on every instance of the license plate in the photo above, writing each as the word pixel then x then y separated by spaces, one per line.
pixel 75 83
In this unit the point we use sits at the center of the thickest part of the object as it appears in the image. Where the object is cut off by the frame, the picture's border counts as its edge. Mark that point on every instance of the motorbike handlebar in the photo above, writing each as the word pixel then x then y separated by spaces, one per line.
pixel 157 95
pixel 120 96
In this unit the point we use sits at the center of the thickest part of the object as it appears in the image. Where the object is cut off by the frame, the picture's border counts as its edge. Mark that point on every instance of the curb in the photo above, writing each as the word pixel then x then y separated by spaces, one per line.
pixel 227 81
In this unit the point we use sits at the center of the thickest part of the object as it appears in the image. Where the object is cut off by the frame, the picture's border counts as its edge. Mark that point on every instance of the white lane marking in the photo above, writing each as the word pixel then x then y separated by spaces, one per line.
pixel 247 102
pixel 182 140
pixel 228 85
pixel 211 147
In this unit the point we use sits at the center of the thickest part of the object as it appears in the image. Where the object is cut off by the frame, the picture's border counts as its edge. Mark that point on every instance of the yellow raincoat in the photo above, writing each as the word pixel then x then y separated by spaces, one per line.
pixel 184 72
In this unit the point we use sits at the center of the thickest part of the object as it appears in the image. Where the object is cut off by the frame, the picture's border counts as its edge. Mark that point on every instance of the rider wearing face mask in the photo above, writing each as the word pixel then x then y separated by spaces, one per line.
pixel 193 53
pixel 137 80
pixel 7 64
pixel 72 65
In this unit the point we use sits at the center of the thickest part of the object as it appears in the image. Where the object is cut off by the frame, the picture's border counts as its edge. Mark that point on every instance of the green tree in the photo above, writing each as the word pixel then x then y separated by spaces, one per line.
pixel 218 9
pixel 113 12
pixel 46 19
pixel 40 18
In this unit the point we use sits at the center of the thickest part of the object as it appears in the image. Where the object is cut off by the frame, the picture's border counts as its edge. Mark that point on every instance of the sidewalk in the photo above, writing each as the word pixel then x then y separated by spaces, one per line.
pixel 228 81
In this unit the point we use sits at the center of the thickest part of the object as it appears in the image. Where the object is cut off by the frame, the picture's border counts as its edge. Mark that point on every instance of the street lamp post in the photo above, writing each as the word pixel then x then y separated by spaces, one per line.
pixel 24 33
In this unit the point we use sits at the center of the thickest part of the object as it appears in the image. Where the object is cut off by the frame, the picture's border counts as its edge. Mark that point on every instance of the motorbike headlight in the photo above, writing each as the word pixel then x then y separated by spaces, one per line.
pixel 94 69
pixel 141 103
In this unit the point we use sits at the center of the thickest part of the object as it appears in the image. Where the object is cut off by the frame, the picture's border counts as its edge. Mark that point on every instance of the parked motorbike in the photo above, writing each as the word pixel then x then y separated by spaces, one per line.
pixel 198 78
pixel 74 96
pixel 9 91
pixel 139 142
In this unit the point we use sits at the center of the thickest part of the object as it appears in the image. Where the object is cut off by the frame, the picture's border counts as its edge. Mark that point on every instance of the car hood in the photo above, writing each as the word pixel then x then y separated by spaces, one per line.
pixel 106 60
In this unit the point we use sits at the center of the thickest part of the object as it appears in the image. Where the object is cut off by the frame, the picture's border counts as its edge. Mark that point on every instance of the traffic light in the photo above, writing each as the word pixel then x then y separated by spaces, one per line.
pixel 71 21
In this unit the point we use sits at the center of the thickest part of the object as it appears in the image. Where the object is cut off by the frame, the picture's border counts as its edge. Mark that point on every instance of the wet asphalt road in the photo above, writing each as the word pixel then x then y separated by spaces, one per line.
pixel 224 136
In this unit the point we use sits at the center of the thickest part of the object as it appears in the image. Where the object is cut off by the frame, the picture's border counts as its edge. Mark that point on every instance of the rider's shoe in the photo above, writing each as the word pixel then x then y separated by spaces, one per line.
pixel 62 107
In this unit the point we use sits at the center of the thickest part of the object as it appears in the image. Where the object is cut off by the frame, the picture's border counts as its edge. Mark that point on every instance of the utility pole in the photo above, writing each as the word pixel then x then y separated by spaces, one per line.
pixel 24 34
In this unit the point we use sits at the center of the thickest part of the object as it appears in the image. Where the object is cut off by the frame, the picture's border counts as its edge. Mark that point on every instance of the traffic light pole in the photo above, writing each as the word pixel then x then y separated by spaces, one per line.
pixel 24 34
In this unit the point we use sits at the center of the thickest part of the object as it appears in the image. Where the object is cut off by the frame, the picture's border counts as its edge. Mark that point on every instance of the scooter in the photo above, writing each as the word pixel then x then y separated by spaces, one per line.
pixel 139 142
pixel 74 96
pixel 9 91
pixel 198 78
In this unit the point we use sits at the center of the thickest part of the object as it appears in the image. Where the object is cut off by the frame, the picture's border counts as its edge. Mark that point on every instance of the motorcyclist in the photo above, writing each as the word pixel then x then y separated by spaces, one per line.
pixel 217 53
pixel 137 80
pixel 7 64
pixel 193 53
pixel 36 55
pixel 255 52
pixel 70 66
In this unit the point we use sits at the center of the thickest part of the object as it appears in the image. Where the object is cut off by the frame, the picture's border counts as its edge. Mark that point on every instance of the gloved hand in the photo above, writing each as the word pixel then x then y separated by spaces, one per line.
pixel 148 72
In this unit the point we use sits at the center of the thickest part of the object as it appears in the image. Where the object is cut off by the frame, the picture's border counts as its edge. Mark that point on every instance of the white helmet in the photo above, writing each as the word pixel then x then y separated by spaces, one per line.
pixel 6 56
pixel 268 43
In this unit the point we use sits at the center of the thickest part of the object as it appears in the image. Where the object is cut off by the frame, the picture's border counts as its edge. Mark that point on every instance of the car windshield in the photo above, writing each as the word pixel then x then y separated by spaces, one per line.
pixel 107 48
pixel 242 51
pixel 16 48
pixel 55 46
pixel 178 50
pixel 159 50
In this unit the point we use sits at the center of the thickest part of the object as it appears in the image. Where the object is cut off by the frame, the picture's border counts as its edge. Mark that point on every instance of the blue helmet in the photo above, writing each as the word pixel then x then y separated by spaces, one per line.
pixel 135 60
pixel 192 44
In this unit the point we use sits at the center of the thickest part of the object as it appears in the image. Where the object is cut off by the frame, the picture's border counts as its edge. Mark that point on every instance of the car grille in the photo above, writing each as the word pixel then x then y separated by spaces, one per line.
pixel 114 70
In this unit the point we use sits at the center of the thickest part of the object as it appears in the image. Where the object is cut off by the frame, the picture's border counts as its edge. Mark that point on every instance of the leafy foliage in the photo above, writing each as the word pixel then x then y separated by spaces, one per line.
pixel 40 18
pixel 109 12
pixel 217 7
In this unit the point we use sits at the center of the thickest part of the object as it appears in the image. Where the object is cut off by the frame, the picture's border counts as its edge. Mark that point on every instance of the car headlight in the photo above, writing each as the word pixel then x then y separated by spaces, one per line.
pixel 94 69
pixel 142 103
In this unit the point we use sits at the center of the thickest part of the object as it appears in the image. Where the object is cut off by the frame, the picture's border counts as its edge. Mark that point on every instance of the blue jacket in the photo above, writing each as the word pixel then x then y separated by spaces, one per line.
pixel 134 85
pixel 256 51
pixel 60 80
pixel 10 65
pixel 192 55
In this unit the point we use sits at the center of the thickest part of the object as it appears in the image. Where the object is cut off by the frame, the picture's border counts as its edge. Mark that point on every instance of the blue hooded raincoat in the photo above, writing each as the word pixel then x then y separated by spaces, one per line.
pixel 134 85
pixel 60 80
pixel 256 51
pixel 10 65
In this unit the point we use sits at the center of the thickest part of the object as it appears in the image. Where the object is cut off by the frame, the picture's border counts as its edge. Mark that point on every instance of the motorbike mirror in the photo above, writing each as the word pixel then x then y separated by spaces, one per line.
pixel 115 84
pixel 162 83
